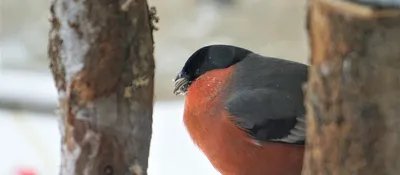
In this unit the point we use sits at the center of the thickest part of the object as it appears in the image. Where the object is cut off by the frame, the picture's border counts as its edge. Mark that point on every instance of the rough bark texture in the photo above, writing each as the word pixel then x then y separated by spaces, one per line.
pixel 353 93
pixel 101 55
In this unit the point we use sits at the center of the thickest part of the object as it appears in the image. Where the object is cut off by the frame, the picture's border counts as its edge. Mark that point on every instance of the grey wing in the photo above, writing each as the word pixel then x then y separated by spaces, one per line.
pixel 268 115
pixel 266 98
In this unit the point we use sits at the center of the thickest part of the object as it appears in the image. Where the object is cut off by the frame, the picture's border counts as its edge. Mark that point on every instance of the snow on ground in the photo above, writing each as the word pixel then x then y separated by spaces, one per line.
pixel 30 140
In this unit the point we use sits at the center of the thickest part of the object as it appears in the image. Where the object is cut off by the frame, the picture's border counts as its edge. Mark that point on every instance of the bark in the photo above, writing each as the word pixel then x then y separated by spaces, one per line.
pixel 353 93
pixel 101 55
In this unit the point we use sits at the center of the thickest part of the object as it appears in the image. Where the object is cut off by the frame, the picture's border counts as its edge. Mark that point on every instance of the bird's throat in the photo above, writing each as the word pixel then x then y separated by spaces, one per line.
pixel 203 103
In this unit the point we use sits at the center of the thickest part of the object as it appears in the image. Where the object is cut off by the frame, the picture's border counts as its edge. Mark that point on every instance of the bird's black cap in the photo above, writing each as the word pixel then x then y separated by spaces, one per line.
pixel 206 59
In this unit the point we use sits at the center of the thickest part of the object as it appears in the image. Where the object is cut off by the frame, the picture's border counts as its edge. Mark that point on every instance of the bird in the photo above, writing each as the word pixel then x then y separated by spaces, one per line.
pixel 244 111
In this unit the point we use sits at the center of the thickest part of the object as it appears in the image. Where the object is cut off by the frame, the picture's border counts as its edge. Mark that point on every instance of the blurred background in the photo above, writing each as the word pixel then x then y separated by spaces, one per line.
pixel 29 134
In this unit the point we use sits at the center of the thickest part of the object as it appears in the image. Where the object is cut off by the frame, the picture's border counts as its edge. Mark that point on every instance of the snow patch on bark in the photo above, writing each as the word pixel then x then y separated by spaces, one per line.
pixel 70 159
pixel 76 32
pixel 93 139
pixel 136 169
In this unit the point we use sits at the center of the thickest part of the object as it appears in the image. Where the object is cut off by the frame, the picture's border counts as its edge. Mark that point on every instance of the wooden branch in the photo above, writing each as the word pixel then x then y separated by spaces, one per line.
pixel 101 55
pixel 353 93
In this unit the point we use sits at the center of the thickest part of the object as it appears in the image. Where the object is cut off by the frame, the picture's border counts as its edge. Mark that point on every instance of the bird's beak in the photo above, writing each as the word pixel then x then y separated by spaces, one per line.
pixel 181 84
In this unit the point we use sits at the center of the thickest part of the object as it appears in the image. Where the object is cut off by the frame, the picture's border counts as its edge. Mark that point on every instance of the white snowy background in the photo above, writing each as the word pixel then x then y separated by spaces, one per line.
pixel 29 134
pixel 32 140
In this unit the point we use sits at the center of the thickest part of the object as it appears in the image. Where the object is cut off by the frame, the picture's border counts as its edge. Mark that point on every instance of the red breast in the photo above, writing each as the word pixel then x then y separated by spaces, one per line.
pixel 229 148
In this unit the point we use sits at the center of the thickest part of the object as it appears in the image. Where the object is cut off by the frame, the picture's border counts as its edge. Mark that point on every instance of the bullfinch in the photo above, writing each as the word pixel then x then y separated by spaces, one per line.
pixel 244 111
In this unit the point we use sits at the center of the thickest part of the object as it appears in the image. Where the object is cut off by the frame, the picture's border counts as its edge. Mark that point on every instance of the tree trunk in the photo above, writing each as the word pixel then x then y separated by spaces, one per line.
pixel 353 93
pixel 101 55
